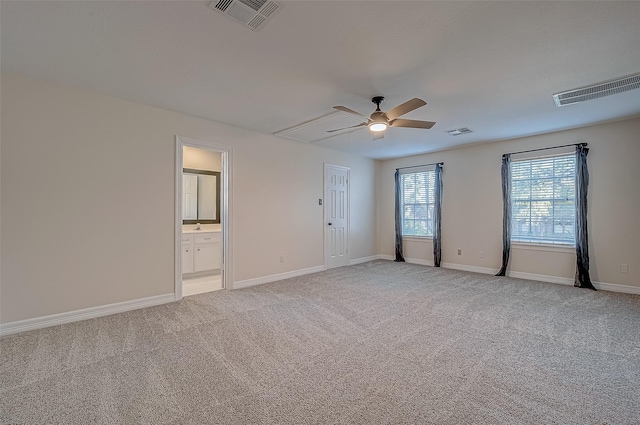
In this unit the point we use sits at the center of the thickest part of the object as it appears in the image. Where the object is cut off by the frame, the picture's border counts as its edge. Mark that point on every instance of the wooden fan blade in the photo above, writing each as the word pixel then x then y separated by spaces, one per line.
pixel 411 123
pixel 378 135
pixel 350 111
pixel 353 126
pixel 404 108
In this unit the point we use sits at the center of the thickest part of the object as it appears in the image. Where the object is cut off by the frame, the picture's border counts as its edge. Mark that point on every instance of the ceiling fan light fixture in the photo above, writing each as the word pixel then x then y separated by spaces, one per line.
pixel 379 121
pixel 378 126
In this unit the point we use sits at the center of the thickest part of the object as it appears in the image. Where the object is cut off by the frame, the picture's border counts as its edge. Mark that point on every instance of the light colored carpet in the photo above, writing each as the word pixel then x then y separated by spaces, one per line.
pixel 376 343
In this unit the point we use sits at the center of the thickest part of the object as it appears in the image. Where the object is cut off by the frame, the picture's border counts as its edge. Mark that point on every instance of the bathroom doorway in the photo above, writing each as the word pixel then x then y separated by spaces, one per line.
pixel 202 211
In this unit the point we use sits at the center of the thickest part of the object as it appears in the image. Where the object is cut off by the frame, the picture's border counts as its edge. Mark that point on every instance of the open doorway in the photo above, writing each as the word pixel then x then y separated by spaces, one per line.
pixel 202 211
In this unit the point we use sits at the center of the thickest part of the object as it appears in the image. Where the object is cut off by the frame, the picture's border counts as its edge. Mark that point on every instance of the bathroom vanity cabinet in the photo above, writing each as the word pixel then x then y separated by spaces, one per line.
pixel 201 252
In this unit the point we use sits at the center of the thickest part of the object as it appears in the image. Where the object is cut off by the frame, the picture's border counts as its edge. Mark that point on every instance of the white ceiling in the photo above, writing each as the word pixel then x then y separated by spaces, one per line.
pixel 489 66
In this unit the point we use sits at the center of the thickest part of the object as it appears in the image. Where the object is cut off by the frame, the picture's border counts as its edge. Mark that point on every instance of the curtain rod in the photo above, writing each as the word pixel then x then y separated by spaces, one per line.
pixel 544 149
pixel 423 165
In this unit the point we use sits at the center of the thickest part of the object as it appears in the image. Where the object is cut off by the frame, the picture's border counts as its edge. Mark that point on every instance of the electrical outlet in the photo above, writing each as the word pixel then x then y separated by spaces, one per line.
pixel 282 258
pixel 459 252
pixel 624 268
pixel 481 254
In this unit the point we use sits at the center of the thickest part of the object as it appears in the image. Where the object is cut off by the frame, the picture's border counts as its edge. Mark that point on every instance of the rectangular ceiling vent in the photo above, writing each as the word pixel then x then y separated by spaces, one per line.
pixel 458 131
pixel 606 88
pixel 252 13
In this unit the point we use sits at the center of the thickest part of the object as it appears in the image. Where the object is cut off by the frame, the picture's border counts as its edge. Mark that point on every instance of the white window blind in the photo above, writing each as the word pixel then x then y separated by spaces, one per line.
pixel 417 198
pixel 543 194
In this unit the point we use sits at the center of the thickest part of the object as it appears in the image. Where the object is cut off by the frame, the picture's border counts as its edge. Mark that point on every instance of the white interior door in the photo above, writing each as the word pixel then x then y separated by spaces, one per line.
pixel 336 215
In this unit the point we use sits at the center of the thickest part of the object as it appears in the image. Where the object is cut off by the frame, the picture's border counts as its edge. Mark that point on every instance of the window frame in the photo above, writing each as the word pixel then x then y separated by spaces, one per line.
pixel 556 245
pixel 430 194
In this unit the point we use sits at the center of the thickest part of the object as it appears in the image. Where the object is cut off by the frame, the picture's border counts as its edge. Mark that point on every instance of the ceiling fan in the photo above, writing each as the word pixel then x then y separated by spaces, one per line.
pixel 379 121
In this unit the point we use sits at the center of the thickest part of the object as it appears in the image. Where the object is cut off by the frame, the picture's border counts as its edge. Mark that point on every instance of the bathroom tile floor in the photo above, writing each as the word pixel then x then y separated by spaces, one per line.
pixel 198 285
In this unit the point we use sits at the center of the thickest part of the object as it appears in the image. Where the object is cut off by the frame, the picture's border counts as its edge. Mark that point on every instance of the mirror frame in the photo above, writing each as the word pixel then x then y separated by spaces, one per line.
pixel 208 173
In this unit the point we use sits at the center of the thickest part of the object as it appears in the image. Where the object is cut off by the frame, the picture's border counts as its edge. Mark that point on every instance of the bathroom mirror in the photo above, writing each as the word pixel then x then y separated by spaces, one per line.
pixel 200 196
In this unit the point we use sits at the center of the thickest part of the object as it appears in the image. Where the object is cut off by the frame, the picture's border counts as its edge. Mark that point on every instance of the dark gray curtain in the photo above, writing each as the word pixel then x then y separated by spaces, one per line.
pixel 506 212
pixel 399 256
pixel 582 279
pixel 437 217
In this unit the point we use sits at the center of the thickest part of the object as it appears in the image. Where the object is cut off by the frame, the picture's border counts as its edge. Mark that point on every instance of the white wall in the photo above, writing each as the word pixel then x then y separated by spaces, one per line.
pixel 201 159
pixel 472 205
pixel 88 199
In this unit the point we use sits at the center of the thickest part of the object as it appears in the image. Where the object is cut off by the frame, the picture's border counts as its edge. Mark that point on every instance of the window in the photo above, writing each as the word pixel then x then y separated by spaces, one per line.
pixel 543 192
pixel 417 198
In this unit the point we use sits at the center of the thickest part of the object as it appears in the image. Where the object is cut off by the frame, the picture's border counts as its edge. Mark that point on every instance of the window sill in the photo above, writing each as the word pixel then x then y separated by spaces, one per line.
pixel 528 246
pixel 418 238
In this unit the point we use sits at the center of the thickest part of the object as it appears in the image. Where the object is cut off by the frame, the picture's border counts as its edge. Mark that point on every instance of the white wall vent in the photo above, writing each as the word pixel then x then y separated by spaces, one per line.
pixel 252 13
pixel 606 88
pixel 458 131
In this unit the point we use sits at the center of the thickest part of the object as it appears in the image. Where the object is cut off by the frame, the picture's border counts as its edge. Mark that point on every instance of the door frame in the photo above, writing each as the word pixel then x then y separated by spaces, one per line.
pixel 226 154
pixel 324 212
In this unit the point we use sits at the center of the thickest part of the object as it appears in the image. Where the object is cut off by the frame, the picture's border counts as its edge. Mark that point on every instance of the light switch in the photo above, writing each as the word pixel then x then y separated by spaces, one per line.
pixel 320 201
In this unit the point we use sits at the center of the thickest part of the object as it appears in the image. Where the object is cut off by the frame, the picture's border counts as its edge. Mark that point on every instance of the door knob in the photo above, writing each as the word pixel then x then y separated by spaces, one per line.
pixel 329 224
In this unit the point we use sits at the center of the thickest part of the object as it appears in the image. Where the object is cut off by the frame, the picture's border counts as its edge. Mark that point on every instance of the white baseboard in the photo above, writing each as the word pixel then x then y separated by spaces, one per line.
pixel 616 287
pixel 365 259
pixel 241 284
pixel 466 268
pixel 391 258
pixel 419 261
pixel 541 278
pixel 121 307
pixel 274 277
pixel 406 260
pixel 83 314
pixel 604 286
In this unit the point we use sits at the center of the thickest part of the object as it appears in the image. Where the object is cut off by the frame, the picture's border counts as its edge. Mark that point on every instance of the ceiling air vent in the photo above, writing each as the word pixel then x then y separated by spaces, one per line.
pixel 458 131
pixel 595 91
pixel 252 13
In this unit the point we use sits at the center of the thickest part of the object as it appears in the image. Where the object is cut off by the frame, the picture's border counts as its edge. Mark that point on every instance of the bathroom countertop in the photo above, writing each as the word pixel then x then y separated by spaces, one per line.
pixel 214 230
